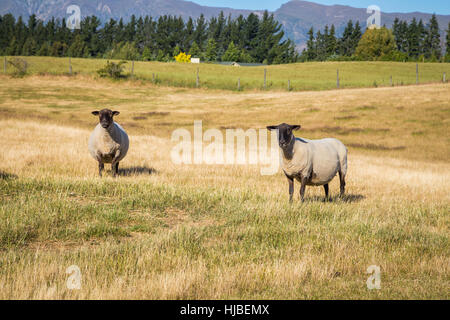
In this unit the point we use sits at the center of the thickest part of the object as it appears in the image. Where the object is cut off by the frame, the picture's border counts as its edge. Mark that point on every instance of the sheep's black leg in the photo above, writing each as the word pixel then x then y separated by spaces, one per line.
pixel 101 166
pixel 115 164
pixel 291 188
pixel 326 191
pixel 342 180
pixel 302 189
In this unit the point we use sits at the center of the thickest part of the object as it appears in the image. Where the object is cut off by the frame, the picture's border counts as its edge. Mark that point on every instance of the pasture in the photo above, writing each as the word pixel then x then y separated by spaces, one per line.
pixel 302 76
pixel 166 231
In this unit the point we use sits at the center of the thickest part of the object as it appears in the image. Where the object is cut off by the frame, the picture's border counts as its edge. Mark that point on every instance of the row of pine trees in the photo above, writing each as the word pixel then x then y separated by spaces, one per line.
pixel 417 40
pixel 251 39
pixel 414 41
pixel 326 45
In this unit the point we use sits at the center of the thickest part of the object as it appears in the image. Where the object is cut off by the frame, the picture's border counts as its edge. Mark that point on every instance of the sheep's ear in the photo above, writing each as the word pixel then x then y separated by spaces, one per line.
pixel 116 113
pixel 296 127
pixel 95 113
pixel 272 128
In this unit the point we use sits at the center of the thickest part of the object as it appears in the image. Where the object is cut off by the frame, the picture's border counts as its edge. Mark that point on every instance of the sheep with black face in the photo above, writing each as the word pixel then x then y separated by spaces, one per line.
pixel 311 162
pixel 108 142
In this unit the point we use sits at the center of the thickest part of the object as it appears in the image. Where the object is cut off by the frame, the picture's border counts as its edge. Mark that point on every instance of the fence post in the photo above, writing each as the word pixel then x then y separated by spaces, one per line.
pixel 132 69
pixel 265 78
pixel 153 77
pixel 4 65
pixel 289 85
pixel 417 73
pixel 337 79
pixel 391 81
pixel 443 78
pixel 239 84
pixel 198 80
pixel 70 65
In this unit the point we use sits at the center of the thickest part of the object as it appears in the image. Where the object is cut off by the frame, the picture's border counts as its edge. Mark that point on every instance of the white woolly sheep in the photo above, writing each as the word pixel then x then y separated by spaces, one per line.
pixel 311 162
pixel 108 142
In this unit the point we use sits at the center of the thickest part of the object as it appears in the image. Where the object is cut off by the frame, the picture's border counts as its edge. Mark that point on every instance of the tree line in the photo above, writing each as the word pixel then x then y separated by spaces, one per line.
pixel 414 41
pixel 417 41
pixel 327 46
pixel 250 39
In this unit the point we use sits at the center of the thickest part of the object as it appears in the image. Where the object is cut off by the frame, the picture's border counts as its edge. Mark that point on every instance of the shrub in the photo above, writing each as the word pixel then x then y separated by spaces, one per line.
pixel 112 70
pixel 146 55
pixel 20 66
pixel 183 57
pixel 376 44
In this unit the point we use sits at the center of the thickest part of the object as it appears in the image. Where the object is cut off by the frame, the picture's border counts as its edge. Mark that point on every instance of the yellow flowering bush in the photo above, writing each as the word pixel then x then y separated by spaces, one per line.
pixel 183 57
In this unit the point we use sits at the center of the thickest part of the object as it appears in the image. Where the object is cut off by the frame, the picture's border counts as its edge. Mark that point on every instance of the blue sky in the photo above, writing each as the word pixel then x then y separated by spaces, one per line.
pixel 430 6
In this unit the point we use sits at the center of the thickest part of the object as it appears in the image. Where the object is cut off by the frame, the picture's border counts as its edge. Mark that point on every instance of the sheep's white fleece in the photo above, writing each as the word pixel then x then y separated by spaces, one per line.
pixel 104 143
pixel 320 160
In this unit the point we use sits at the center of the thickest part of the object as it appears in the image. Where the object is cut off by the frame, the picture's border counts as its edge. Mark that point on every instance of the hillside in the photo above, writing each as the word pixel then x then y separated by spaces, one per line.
pixel 167 231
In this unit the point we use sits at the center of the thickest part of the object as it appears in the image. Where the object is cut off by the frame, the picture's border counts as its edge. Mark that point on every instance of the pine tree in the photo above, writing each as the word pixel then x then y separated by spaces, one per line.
pixel 130 29
pixel 404 37
pixel 355 38
pixel 396 33
pixel 6 31
pixel 232 54
pixel 20 33
pixel 211 50
pixel 447 47
pixel 250 33
pixel 44 49
pixel 195 51
pixel 311 51
pixel 200 33
pixel 413 39
pixel 32 23
pixel 421 30
pixel 269 38
pixel 188 34
pixel 12 47
pixel 331 42
pixel 320 46
pixel 434 39
pixel 30 47
pixel 78 48
pixel 146 54
pixel 345 44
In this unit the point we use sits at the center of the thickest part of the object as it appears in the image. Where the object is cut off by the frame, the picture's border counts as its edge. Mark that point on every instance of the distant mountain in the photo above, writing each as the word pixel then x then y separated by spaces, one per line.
pixel 296 16
pixel 106 9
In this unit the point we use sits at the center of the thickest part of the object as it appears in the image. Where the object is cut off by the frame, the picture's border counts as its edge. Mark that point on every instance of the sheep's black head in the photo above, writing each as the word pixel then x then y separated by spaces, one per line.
pixel 285 133
pixel 106 117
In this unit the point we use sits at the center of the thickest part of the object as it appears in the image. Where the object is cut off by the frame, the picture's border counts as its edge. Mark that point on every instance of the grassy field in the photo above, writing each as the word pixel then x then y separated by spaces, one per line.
pixel 167 231
pixel 303 76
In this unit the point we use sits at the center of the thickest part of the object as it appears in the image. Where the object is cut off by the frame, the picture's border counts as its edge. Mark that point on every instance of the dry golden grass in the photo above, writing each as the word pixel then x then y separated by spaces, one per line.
pixel 166 231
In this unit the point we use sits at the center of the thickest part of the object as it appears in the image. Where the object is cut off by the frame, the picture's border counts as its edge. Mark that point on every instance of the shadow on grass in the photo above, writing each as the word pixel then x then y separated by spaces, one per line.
pixel 7 176
pixel 136 171
pixel 348 198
